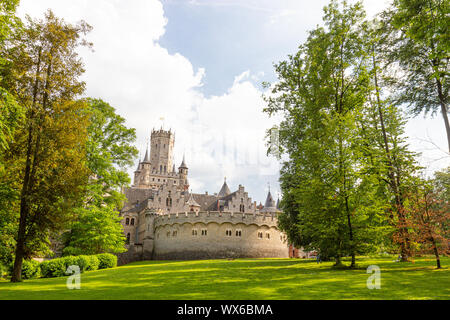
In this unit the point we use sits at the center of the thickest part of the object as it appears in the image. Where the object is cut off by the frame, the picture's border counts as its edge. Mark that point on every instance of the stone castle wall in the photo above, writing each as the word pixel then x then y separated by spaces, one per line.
pixel 213 235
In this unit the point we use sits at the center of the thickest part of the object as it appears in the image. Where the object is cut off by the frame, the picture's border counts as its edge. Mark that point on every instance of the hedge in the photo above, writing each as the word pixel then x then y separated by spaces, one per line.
pixel 30 269
pixel 57 267
pixel 107 260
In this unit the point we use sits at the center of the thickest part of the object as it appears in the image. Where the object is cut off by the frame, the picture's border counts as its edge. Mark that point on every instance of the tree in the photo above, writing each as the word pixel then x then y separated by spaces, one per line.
pixel 417 47
pixel 429 216
pixel 109 148
pixel 47 156
pixel 11 116
pixel 321 93
pixel 382 134
pixel 11 112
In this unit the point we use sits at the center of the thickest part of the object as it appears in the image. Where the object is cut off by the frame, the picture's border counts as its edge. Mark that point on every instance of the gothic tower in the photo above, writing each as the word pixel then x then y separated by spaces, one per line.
pixel 161 151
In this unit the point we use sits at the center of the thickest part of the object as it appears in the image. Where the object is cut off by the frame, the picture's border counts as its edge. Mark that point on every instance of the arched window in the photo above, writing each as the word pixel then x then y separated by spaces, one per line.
pixel 160 168
pixel 127 221
pixel 128 238
pixel 132 221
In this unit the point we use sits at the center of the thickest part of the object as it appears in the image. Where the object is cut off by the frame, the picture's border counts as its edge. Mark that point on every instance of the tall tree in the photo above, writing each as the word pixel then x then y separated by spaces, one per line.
pixel 418 49
pixel 382 131
pixel 48 153
pixel 97 227
pixel 11 116
pixel 321 93
pixel 11 112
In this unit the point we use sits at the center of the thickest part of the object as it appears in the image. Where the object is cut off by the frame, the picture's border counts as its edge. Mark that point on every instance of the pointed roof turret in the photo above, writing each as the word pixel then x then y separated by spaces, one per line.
pixel 224 191
pixel 183 164
pixel 270 205
pixel 146 158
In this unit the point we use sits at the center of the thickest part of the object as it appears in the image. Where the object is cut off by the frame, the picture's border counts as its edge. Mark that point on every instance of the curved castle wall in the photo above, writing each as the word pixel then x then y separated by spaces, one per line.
pixel 213 235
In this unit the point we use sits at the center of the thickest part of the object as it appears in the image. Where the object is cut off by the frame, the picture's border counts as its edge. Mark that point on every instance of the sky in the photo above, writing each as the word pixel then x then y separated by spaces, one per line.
pixel 196 67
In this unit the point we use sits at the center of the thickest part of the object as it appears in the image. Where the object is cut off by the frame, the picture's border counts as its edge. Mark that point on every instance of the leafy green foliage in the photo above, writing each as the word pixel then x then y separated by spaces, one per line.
pixel 106 260
pixel 53 268
pixel 97 228
pixel 416 37
pixel 330 204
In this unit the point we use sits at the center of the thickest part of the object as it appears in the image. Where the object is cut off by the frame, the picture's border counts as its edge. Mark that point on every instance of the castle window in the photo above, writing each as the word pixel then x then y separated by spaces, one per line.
pixel 128 238
pixel 160 168
pixel 228 233
pixel 204 232
pixel 260 235
pixel 132 221
pixel 168 234
pixel 268 235
pixel 242 208
pixel 194 232
pixel 127 221
pixel 238 233
pixel 174 233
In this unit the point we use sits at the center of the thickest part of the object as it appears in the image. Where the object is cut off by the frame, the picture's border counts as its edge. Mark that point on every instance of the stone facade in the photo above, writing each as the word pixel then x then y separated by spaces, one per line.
pixel 163 220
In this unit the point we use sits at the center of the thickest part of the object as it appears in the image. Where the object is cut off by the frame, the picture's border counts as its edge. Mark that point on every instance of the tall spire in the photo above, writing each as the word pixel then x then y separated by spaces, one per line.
pixel 183 164
pixel 146 159
pixel 224 191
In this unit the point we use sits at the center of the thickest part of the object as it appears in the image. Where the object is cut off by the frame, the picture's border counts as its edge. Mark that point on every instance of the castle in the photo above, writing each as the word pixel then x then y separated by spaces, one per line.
pixel 163 220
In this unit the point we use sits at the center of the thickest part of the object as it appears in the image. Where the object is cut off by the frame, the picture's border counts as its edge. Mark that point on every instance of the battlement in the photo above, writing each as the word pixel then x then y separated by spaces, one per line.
pixel 162 133
pixel 260 219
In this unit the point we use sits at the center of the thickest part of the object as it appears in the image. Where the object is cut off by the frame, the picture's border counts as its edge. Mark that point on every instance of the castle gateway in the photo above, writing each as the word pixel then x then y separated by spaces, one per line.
pixel 162 220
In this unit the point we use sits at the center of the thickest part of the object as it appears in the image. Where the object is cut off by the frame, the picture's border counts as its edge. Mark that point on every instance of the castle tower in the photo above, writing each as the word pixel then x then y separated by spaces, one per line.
pixel 183 173
pixel 161 151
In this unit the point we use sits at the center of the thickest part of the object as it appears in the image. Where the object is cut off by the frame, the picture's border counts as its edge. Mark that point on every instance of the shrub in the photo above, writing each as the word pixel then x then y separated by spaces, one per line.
pixel 107 260
pixel 88 263
pixel 53 268
pixel 31 269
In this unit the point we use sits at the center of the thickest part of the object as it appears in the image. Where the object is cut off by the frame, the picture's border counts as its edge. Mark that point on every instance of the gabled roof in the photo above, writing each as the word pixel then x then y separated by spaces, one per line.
pixel 191 201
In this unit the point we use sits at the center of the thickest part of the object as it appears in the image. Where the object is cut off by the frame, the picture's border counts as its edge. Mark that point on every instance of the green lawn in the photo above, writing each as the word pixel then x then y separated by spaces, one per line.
pixel 248 279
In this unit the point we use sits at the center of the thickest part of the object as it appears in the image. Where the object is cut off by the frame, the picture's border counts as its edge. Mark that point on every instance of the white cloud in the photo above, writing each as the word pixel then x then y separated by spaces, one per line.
pixel 221 135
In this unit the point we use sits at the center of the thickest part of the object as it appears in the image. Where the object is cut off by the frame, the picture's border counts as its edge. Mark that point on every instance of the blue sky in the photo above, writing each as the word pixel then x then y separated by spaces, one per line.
pixel 199 64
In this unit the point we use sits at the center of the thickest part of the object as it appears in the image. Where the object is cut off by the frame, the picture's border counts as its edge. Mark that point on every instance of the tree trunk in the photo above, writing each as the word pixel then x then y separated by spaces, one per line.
pixel 436 253
pixel 391 172
pixel 444 111
pixel 352 246
pixel 24 205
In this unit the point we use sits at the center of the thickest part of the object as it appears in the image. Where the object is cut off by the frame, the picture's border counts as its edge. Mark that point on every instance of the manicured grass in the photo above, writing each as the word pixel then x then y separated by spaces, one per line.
pixel 249 279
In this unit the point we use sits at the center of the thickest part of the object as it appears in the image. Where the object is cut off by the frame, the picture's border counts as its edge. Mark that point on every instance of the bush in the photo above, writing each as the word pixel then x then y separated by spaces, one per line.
pixel 88 263
pixel 3 270
pixel 31 269
pixel 107 260
pixel 53 268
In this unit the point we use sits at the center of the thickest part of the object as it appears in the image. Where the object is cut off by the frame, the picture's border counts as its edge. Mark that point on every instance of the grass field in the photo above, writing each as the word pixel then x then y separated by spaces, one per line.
pixel 249 279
